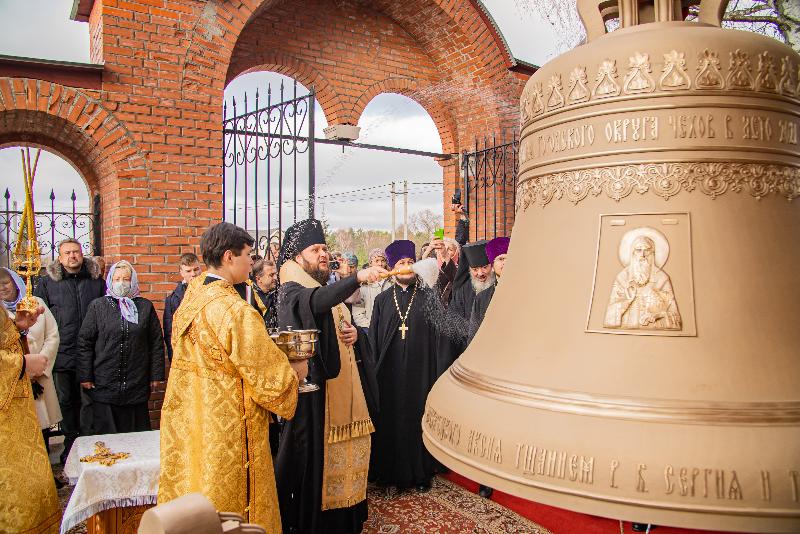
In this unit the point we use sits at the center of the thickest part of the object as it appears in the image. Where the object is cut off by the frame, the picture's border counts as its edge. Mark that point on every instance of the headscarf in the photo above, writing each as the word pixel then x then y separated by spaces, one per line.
pixel 21 290
pixel 351 259
pixel 376 252
pixel 126 305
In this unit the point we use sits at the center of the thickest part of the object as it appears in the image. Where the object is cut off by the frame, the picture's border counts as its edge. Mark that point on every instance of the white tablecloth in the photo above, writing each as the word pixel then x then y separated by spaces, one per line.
pixel 129 482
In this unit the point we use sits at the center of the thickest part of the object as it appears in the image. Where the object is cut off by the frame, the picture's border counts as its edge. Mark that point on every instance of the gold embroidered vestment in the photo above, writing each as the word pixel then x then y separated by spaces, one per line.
pixel 226 376
pixel 28 500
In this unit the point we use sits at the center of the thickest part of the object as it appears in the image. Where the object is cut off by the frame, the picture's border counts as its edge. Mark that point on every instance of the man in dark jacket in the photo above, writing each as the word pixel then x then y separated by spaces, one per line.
pixel 265 288
pixel 67 288
pixel 189 268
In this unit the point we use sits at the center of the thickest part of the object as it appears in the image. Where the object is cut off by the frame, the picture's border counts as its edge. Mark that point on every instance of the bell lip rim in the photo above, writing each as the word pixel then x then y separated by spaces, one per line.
pixel 432 444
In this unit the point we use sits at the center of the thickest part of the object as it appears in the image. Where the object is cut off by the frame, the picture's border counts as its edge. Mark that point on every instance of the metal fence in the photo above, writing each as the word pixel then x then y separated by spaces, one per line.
pixel 52 226
pixel 490 183
pixel 264 143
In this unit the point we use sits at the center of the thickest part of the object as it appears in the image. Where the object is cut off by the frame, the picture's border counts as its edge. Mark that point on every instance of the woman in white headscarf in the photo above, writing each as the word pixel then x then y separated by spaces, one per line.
pixel 42 339
pixel 120 354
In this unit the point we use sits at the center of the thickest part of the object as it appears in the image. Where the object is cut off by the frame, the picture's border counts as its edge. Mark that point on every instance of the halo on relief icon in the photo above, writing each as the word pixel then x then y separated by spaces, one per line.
pixel 660 240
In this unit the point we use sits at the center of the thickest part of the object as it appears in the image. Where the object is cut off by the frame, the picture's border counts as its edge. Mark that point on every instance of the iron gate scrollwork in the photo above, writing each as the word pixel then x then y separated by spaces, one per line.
pixel 262 146
pixel 52 226
pixel 490 184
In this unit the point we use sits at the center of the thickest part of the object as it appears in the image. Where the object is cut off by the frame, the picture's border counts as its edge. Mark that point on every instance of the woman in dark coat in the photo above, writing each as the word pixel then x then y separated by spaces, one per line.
pixel 120 354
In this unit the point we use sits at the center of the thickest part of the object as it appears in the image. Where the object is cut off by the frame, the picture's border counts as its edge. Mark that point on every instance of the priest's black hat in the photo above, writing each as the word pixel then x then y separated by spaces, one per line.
pixel 476 253
pixel 300 236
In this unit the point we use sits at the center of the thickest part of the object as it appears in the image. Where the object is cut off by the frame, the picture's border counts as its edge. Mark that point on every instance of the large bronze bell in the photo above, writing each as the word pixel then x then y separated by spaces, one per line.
pixel 641 357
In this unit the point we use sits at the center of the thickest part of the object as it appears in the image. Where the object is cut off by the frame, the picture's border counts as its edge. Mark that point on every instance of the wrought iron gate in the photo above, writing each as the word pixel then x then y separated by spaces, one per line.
pixel 268 147
pixel 490 183
pixel 51 227
pixel 263 146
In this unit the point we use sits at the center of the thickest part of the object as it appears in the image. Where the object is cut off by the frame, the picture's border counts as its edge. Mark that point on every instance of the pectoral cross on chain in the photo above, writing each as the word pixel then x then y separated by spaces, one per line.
pixel 403 329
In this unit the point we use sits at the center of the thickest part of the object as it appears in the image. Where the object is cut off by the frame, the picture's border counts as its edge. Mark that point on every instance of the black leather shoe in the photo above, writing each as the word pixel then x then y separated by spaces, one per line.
pixel 485 491
pixel 424 487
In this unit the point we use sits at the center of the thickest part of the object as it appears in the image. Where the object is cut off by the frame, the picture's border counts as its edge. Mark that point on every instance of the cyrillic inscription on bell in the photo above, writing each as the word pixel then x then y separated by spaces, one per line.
pixel 654 373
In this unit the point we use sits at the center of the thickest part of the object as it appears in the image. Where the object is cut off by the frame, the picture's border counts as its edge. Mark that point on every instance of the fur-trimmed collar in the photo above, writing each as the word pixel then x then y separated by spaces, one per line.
pixel 56 272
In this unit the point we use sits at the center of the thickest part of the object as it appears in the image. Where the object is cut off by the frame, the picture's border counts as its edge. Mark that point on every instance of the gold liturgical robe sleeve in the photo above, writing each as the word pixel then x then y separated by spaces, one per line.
pixel 227 376
pixel 263 366
pixel 28 500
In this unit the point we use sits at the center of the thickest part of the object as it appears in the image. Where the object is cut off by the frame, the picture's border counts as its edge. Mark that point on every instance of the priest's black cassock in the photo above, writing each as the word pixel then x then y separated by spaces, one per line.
pixel 450 345
pixel 407 369
pixel 479 307
pixel 300 458
pixel 495 249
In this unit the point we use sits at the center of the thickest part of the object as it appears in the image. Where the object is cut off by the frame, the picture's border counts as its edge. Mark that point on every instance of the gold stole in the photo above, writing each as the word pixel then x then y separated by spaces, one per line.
pixel 347 421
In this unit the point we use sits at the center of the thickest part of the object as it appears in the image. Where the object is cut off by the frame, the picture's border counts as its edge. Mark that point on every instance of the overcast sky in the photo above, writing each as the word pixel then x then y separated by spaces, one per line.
pixel 42 29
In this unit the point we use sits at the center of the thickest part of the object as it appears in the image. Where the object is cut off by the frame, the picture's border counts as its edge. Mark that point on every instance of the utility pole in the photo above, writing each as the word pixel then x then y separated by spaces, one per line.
pixel 405 209
pixel 394 221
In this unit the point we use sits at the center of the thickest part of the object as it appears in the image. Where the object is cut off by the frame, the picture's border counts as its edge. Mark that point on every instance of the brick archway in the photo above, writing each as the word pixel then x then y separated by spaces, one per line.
pixel 77 126
pixel 440 115
pixel 303 72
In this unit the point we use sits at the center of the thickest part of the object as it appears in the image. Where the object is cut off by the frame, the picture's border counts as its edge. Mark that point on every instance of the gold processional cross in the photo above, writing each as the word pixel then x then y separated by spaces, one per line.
pixel 104 456
pixel 27 258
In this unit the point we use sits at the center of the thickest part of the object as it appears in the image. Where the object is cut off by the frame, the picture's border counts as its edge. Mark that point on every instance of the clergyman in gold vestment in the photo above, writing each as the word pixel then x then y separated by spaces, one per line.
pixel 227 376
pixel 28 500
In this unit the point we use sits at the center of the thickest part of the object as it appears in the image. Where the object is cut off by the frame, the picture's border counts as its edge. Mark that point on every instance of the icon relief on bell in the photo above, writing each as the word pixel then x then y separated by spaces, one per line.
pixel 537 105
pixel 642 295
pixel 578 86
pixel 710 72
pixel 787 84
pixel 638 79
pixel 674 75
pixel 606 76
pixel 525 109
pixel 740 77
pixel 766 79
pixel 555 99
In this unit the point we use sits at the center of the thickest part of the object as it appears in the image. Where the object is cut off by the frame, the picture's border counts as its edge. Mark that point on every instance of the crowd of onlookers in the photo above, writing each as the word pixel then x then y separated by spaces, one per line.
pixel 106 344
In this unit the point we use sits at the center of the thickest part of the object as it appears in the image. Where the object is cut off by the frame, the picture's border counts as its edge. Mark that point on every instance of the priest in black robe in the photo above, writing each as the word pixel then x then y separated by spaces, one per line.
pixel 336 421
pixel 480 277
pixel 404 343
pixel 453 339
pixel 496 251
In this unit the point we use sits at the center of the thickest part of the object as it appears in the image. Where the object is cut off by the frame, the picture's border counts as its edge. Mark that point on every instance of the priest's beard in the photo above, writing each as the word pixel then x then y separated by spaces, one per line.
pixel 640 270
pixel 315 271
pixel 405 279
pixel 479 286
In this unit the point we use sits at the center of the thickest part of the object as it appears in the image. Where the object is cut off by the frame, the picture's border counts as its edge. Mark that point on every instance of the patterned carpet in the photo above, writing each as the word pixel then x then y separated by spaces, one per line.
pixel 446 509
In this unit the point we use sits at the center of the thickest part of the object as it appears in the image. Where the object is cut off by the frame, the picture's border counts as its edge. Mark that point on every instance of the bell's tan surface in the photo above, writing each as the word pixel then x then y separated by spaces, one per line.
pixel 641 357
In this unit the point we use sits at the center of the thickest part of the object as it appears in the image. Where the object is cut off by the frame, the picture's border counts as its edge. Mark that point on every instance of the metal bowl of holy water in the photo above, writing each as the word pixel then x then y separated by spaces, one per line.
pixel 298 345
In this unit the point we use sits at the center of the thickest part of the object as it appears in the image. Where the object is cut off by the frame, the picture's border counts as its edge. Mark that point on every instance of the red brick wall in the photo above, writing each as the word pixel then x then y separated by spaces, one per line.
pixel 149 140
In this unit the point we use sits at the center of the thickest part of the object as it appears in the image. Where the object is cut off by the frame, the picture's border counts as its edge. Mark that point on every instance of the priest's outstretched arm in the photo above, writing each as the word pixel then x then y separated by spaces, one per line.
pixel 326 297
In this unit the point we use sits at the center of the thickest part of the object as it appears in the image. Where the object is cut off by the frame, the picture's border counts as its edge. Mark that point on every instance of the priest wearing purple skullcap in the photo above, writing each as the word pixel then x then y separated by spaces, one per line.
pixel 404 342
